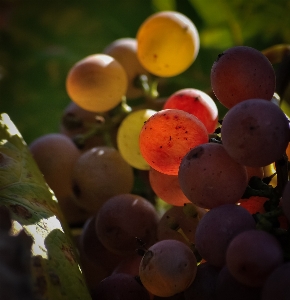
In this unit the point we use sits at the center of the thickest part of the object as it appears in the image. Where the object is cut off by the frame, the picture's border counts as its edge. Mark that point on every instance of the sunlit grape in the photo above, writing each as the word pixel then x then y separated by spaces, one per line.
pixel 124 50
pixel 168 43
pixel 167 136
pixel 128 138
pixel 97 83
pixel 197 103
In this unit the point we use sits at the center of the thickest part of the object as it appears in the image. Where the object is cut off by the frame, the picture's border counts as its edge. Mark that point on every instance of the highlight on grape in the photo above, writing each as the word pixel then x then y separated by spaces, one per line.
pixel 172 200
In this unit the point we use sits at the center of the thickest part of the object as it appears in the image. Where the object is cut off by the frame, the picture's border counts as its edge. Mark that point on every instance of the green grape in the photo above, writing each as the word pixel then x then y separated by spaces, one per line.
pixel 168 43
pixel 128 138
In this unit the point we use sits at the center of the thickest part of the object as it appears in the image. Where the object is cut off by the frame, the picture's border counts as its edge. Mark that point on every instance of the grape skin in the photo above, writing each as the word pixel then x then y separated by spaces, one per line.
pixel 98 174
pixel 241 73
pixel 124 50
pixel 128 138
pixel 168 43
pixel 209 177
pixel 255 132
pixel 252 255
pixel 167 136
pixel 97 83
pixel 175 218
pixel 197 103
pixel 167 268
pixel 124 217
pixel 228 288
pixel 213 234
pixel 167 188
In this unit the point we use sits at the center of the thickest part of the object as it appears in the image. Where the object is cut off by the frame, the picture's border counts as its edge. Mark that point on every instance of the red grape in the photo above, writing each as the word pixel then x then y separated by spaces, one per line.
pixel 197 103
pixel 241 73
pixel 167 136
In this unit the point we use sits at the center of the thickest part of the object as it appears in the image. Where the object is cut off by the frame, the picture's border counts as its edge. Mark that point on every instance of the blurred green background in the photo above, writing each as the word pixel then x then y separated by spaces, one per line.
pixel 41 40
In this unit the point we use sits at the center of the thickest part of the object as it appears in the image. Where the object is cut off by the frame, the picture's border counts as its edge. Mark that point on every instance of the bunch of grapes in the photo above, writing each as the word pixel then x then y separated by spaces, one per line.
pixel 165 198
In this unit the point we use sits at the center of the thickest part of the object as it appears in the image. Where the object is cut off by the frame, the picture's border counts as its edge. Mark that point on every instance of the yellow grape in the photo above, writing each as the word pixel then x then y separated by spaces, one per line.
pixel 97 83
pixel 128 138
pixel 168 43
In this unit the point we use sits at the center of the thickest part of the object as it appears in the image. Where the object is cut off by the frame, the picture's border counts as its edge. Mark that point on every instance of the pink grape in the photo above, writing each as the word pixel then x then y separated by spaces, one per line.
pixel 252 256
pixel 241 73
pixel 217 228
pixel 167 136
pixel 209 177
pixel 255 132
pixel 122 219
pixel 197 103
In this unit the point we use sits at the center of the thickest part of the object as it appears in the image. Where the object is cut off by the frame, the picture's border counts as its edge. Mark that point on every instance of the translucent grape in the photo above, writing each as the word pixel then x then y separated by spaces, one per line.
pixel 168 43
pixel 122 219
pixel 128 138
pixel 252 256
pixel 209 177
pixel 167 268
pixel 167 136
pixel 217 228
pixel 241 73
pixel 255 132
pixel 97 83
pixel 197 103
pixel 167 188
pixel 124 50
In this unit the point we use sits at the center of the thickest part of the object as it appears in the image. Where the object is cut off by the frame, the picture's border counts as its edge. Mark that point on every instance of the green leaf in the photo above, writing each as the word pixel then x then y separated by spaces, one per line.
pixel 34 208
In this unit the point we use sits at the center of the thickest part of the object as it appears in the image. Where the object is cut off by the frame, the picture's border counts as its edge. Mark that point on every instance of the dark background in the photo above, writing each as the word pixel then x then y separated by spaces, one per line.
pixel 41 40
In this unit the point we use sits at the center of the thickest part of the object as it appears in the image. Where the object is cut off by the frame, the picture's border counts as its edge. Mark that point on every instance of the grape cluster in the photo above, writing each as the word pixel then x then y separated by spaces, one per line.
pixel 164 198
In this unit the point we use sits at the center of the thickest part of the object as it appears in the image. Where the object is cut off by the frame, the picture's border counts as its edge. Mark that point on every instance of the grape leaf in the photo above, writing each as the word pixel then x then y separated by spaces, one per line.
pixel 34 208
